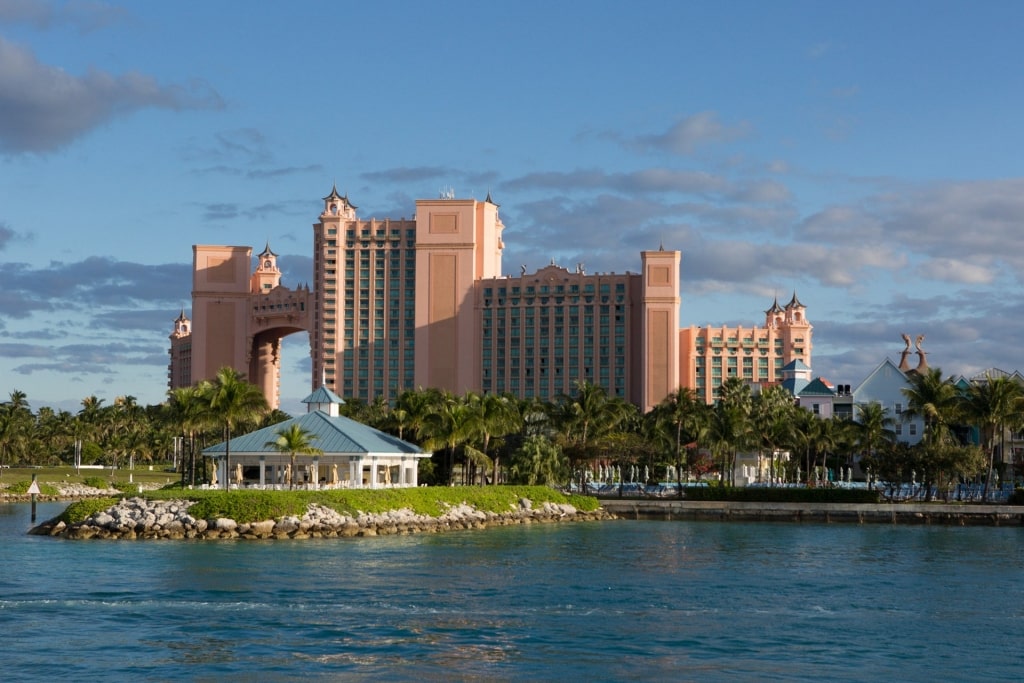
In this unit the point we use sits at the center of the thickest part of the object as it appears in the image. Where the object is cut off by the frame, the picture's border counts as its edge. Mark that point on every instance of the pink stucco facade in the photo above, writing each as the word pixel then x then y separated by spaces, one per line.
pixel 709 355
pixel 239 316
pixel 421 302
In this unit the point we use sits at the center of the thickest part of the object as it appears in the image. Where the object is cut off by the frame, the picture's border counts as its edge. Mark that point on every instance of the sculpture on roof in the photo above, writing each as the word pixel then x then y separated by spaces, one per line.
pixel 904 365
pixel 922 355
pixel 922 360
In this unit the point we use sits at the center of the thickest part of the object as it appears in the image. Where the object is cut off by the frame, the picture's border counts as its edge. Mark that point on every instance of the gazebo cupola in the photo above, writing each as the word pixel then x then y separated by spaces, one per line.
pixel 324 400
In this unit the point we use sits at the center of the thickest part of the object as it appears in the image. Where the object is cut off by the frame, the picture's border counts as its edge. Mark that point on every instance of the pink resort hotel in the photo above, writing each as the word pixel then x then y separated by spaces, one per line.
pixel 405 304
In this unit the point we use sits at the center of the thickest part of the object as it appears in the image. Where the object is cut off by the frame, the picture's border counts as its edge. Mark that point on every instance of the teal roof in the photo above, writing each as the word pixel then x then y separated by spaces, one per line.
pixel 334 436
pixel 324 395
pixel 796 364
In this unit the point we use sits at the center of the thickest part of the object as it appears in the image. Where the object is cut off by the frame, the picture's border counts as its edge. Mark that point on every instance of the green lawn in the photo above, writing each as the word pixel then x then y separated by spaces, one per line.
pixel 62 475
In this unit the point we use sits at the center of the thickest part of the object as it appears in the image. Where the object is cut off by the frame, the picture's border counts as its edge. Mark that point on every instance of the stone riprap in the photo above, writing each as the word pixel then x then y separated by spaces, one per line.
pixel 138 518
pixel 67 491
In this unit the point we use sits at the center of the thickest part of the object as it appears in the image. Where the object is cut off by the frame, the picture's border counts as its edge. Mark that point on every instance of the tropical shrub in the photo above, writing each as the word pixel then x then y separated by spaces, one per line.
pixel 21 487
pixel 83 509
pixel 97 483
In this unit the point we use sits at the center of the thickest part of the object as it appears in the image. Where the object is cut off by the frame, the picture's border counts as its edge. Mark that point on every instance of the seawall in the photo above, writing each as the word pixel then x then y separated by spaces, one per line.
pixel 850 513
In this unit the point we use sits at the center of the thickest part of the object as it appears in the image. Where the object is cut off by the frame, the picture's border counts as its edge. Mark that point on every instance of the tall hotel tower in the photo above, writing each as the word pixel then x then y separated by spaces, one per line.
pixel 404 304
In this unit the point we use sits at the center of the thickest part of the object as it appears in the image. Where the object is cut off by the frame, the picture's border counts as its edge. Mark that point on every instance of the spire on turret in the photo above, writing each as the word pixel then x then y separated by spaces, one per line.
pixel 334 193
pixel 182 326
pixel 335 203
pixel 774 316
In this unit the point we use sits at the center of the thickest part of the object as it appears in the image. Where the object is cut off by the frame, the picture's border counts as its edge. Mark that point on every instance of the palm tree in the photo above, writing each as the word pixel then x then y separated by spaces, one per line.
pixel 933 399
pixel 125 427
pixel 15 423
pixel 805 437
pixel 683 419
pixel 186 408
pixel 874 426
pixel 411 411
pixel 293 439
pixel 53 432
pixel 772 412
pixel 491 416
pixel 445 427
pixel 993 403
pixel 538 462
pixel 230 401
pixel 585 418
pixel 731 428
pixel 937 402
pixel 8 433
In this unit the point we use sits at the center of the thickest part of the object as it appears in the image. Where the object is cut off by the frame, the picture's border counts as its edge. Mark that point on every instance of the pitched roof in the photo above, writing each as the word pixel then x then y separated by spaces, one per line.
pixel 324 395
pixel 817 387
pixel 333 435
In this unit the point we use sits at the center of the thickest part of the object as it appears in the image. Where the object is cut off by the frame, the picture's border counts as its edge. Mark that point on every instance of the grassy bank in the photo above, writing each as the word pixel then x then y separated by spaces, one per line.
pixel 14 477
pixel 247 506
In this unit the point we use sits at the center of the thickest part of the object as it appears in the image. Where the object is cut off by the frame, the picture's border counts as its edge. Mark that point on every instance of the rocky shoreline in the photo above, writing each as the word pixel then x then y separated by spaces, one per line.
pixel 138 518
pixel 65 492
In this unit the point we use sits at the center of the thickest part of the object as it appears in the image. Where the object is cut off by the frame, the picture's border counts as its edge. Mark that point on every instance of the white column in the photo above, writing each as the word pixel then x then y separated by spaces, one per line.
pixel 316 473
pixel 263 471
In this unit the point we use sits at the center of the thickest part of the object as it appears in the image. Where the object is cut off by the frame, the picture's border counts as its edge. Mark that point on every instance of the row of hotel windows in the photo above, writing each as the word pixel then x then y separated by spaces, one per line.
pixel 383 243
pixel 542 388
pixel 589 287
pixel 282 306
pixel 732 341
pixel 558 300
pixel 529 311
pixel 557 361
pixel 386 231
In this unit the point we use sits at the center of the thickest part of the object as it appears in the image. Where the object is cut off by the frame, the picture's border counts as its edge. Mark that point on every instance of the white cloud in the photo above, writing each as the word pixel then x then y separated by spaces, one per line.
pixel 685 136
pixel 962 232
pixel 45 108
pixel 958 270
pixel 85 15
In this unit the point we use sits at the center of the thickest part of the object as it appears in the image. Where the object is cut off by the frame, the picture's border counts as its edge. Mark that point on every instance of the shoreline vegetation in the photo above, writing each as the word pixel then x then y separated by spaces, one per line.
pixel 264 515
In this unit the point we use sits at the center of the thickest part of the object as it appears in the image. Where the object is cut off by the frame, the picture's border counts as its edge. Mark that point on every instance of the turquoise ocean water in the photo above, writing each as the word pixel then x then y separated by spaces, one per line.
pixel 615 601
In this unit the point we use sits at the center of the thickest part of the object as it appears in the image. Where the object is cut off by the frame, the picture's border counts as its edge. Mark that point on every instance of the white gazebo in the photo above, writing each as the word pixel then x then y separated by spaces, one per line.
pixel 353 455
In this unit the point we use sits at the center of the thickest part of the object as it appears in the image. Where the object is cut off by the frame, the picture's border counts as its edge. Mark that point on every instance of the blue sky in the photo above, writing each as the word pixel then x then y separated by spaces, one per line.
pixel 863 154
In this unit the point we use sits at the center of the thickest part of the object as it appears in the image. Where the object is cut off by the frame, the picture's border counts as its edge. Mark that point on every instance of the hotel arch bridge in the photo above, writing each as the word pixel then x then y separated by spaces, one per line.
pixel 353 455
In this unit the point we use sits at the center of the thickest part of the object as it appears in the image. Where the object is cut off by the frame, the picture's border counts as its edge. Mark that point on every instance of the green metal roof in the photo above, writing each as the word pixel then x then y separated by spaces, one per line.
pixel 817 387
